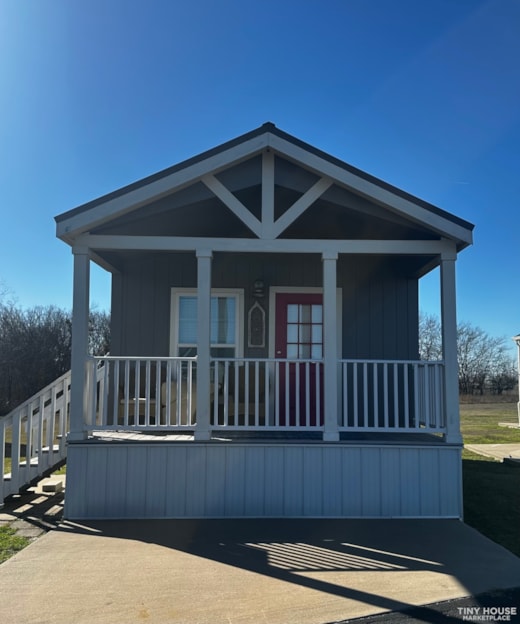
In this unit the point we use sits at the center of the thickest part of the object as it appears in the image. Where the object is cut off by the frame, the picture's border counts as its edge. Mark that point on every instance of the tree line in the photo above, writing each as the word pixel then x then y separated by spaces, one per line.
pixel 35 348
pixel 485 362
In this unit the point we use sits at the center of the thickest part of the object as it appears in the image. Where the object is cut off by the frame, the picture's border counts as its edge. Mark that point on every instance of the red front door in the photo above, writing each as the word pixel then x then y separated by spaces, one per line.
pixel 299 343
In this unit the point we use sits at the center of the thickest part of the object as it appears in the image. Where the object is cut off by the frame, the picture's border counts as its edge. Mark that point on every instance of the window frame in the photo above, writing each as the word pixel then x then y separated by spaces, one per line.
pixel 235 293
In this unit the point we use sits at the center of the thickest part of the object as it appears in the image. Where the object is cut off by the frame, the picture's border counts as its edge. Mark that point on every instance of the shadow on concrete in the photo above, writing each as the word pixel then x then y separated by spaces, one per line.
pixel 287 549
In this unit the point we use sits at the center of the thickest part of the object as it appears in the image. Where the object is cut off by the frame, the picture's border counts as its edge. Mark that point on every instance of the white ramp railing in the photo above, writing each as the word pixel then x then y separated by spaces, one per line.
pixel 33 437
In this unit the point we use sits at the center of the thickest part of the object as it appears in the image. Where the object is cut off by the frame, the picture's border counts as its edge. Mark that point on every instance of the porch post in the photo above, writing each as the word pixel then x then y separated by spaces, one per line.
pixel 449 346
pixel 330 349
pixel 202 432
pixel 80 312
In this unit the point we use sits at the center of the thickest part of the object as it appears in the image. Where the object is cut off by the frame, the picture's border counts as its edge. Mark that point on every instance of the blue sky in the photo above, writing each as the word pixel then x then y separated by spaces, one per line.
pixel 425 95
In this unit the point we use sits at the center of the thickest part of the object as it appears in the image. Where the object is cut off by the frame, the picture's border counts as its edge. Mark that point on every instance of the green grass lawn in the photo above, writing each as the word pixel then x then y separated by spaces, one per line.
pixel 491 488
pixel 480 423
pixel 10 543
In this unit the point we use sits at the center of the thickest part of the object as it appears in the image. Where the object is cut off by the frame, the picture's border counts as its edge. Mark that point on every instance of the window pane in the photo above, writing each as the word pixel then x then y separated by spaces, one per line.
pixel 305 351
pixel 305 313
pixel 292 351
pixel 292 333
pixel 317 334
pixel 317 352
pixel 305 333
pixel 223 320
pixel 317 313
pixel 292 313
pixel 187 319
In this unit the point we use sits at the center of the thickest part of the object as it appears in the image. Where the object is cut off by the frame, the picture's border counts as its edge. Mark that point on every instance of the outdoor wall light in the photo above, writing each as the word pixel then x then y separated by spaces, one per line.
pixel 259 288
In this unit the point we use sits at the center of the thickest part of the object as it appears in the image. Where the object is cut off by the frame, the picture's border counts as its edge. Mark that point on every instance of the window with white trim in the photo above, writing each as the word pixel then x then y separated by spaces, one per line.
pixel 225 317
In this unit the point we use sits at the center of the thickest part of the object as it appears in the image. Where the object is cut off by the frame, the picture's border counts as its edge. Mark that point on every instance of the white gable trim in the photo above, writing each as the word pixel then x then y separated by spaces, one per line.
pixel 370 190
pixel 236 206
pixel 118 206
pixel 81 221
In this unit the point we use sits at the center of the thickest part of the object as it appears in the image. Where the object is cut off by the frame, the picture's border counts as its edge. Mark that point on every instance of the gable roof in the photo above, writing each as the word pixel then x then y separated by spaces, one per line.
pixel 133 196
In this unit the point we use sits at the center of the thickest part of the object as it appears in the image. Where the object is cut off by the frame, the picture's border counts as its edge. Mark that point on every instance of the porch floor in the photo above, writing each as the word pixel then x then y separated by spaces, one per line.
pixel 300 437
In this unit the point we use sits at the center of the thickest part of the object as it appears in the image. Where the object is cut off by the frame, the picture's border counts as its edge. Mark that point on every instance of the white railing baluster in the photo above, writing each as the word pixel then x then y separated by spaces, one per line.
pixel 406 397
pixel 396 395
pixel 318 393
pixel 376 394
pixel 365 394
pixel 427 397
pixel 356 400
pixel 385 392
pixel 344 415
pixel 287 390
pixel 276 382
pixel 257 393
pixel 267 393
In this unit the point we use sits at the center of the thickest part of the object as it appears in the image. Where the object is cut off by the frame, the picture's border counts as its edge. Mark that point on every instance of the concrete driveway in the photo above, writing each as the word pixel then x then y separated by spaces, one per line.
pixel 246 571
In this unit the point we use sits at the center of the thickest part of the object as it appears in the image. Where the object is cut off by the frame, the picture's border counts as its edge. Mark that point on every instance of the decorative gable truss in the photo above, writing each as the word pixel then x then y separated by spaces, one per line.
pixel 326 179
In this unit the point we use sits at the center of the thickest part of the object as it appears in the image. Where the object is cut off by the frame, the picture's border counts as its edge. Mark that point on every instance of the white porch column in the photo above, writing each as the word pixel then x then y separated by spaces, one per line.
pixel 330 348
pixel 80 313
pixel 449 346
pixel 202 432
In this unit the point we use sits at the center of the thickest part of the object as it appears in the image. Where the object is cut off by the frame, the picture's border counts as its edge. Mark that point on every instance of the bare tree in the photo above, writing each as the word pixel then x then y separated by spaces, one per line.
pixel 35 348
pixel 430 337
pixel 484 361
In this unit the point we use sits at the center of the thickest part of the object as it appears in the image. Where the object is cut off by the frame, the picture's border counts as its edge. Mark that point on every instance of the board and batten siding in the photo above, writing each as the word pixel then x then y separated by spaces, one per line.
pixel 244 480
pixel 380 301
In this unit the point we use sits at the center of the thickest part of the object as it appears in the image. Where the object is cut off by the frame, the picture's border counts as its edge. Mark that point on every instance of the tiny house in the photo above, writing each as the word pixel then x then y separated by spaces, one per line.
pixel 264 356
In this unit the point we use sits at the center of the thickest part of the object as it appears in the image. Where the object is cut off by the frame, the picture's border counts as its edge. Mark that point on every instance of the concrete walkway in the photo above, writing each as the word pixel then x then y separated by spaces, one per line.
pixel 247 571
pixel 498 451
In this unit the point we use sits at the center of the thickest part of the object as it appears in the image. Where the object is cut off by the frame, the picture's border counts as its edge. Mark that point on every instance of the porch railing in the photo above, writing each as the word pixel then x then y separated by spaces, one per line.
pixel 265 394
pixel 379 395
pixel 141 393
pixel 33 436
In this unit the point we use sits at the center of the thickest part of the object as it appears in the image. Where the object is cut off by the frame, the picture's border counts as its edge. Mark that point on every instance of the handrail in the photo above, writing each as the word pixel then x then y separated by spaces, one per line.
pixel 32 436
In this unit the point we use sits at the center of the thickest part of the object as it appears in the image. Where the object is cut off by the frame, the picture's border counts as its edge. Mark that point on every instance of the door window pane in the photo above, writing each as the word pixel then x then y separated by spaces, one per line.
pixel 292 313
pixel 292 333
pixel 305 333
pixel 316 352
pixel 305 351
pixel 305 313
pixel 292 351
pixel 317 313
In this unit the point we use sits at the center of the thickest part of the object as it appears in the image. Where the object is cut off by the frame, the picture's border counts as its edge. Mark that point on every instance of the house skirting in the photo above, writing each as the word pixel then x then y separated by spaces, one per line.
pixel 235 479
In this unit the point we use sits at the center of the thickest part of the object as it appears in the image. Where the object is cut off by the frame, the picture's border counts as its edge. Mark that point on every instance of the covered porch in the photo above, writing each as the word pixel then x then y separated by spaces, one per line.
pixel 264 358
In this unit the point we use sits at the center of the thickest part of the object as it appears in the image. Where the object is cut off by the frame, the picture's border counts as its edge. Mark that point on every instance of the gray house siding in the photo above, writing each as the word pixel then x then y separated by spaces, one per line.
pixel 379 300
